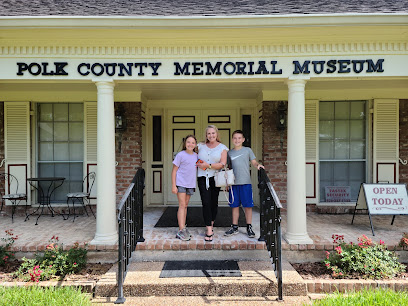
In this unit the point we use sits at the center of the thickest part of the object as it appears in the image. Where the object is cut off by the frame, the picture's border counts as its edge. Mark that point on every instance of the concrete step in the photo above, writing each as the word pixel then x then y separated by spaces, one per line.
pixel 207 300
pixel 258 279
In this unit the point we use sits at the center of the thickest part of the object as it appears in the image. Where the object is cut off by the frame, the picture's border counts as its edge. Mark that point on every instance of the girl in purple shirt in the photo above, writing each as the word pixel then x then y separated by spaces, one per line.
pixel 183 178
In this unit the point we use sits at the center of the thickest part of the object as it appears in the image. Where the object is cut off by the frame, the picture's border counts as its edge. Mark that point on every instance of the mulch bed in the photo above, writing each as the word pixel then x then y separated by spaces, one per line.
pixel 92 272
pixel 316 270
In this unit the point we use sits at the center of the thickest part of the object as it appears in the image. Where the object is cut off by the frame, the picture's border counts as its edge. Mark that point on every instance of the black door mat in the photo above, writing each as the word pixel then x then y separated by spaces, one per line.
pixel 200 268
pixel 195 217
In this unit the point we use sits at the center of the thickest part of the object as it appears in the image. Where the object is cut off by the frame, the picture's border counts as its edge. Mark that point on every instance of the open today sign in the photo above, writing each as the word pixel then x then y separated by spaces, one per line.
pixel 383 199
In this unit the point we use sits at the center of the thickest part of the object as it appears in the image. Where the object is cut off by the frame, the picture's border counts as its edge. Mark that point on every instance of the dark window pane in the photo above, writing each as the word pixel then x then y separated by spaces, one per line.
pixel 246 128
pixel 157 138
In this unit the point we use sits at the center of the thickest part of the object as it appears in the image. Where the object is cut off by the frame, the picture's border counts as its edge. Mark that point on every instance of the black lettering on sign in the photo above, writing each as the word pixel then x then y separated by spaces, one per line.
pixel 184 70
pixel 377 67
pixel 82 71
pixel 213 70
pixel 274 71
pixel 301 68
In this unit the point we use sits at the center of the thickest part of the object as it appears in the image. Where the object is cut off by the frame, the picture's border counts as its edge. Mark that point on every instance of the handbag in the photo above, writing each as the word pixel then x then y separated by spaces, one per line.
pixel 225 178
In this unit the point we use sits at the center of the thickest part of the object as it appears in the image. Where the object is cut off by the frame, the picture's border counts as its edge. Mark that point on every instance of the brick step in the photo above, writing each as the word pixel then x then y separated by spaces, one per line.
pixel 258 279
pixel 200 244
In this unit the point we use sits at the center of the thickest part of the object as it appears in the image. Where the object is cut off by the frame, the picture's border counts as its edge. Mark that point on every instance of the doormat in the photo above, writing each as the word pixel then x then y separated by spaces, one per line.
pixel 201 268
pixel 195 217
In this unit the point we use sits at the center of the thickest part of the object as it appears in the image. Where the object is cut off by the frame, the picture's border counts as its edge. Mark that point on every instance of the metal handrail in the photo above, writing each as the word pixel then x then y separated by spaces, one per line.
pixel 270 225
pixel 130 221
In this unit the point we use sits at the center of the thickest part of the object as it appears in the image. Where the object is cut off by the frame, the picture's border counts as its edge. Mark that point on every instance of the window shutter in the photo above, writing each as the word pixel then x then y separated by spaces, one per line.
pixel 386 140
pixel 17 143
pixel 311 128
pixel 90 117
pixel 90 131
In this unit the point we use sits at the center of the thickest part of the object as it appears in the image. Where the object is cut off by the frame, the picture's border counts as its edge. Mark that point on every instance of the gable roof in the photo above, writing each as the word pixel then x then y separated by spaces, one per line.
pixel 196 7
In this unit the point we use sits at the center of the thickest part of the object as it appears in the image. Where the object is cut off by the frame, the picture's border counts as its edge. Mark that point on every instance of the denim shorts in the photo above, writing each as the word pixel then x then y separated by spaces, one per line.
pixel 188 191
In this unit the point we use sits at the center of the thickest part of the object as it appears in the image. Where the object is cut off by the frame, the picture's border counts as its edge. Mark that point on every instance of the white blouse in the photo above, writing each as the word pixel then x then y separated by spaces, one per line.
pixel 210 156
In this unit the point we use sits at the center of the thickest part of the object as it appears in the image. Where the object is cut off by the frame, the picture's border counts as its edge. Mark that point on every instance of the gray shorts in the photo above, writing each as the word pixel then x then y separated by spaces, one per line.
pixel 188 191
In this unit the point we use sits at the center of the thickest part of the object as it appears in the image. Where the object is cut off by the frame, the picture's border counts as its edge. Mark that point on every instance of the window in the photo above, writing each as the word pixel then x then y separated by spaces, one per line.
pixel 246 128
pixel 157 138
pixel 342 145
pixel 61 145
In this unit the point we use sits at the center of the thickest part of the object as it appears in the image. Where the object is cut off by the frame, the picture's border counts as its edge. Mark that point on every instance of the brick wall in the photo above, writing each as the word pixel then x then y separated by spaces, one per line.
pixel 129 156
pixel 273 156
pixel 403 140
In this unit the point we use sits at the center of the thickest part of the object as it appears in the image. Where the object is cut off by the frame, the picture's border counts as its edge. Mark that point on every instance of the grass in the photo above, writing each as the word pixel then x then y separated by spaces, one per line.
pixel 366 298
pixel 44 296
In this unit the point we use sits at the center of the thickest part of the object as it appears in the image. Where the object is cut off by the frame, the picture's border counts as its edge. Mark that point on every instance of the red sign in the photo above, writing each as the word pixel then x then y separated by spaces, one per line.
pixel 337 193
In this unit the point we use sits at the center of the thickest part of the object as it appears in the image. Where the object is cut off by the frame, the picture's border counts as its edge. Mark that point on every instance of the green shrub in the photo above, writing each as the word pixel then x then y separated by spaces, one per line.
pixel 6 254
pixel 34 295
pixel 365 259
pixel 371 297
pixel 55 262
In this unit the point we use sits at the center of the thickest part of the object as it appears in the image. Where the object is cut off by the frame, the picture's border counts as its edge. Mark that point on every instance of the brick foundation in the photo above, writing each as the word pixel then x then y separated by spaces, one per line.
pixel 129 153
pixel 403 140
pixel 273 155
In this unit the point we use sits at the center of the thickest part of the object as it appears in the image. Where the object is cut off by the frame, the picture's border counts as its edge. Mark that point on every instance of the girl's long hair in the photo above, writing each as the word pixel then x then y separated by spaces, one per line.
pixel 185 140
pixel 216 130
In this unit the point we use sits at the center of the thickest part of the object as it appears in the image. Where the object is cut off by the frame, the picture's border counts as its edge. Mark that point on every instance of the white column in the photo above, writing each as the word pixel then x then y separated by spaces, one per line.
pixel 296 232
pixel 106 230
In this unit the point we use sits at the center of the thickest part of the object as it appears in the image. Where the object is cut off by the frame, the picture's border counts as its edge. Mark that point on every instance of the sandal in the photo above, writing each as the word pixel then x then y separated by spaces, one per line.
pixel 209 238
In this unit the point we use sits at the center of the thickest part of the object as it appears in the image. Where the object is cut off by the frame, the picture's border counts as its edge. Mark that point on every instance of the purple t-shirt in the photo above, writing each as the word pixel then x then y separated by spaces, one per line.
pixel 187 170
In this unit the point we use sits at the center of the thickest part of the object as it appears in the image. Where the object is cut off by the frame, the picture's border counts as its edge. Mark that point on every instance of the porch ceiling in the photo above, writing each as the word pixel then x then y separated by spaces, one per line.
pixel 212 90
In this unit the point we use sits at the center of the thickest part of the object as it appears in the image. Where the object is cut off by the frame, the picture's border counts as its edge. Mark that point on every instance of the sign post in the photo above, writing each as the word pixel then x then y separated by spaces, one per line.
pixel 382 199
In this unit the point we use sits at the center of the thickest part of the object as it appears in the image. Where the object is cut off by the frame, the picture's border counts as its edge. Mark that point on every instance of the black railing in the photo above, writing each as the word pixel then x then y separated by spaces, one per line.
pixel 270 224
pixel 130 220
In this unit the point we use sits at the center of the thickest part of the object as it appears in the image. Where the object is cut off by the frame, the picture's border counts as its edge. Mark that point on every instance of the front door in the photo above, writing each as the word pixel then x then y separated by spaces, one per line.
pixel 181 123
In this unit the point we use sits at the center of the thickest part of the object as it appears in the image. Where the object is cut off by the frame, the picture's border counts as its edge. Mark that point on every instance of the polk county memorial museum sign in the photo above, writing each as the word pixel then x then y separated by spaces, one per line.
pixel 188 69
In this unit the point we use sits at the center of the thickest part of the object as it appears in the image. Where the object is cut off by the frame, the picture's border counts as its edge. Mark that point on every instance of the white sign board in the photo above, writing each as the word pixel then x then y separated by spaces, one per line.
pixel 383 199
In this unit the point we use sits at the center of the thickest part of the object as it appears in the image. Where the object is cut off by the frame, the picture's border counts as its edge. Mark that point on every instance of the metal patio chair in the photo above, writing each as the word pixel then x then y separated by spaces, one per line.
pixel 82 197
pixel 7 179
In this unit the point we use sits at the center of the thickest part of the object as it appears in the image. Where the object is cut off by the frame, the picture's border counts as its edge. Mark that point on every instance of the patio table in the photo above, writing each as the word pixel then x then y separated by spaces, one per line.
pixel 50 184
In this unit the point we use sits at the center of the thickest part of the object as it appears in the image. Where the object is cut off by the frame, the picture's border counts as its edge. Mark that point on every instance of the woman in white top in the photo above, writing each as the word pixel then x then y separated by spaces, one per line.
pixel 212 156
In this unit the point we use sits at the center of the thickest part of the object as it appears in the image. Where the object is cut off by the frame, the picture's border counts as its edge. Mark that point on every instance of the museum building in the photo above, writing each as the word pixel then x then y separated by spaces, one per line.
pixel 320 92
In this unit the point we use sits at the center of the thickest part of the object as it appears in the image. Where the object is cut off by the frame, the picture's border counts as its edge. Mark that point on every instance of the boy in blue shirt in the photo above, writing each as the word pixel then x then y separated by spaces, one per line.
pixel 240 157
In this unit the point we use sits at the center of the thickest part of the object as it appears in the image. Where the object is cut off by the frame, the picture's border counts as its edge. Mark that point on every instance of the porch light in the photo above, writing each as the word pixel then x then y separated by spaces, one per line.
pixel 120 119
pixel 281 120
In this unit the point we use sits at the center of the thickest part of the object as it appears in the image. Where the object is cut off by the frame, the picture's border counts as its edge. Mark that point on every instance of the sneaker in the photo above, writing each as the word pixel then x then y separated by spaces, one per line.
pixel 182 235
pixel 187 231
pixel 250 232
pixel 232 231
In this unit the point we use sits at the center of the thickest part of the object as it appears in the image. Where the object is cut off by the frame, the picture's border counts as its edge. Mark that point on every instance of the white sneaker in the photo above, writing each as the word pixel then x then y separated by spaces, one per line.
pixel 182 235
